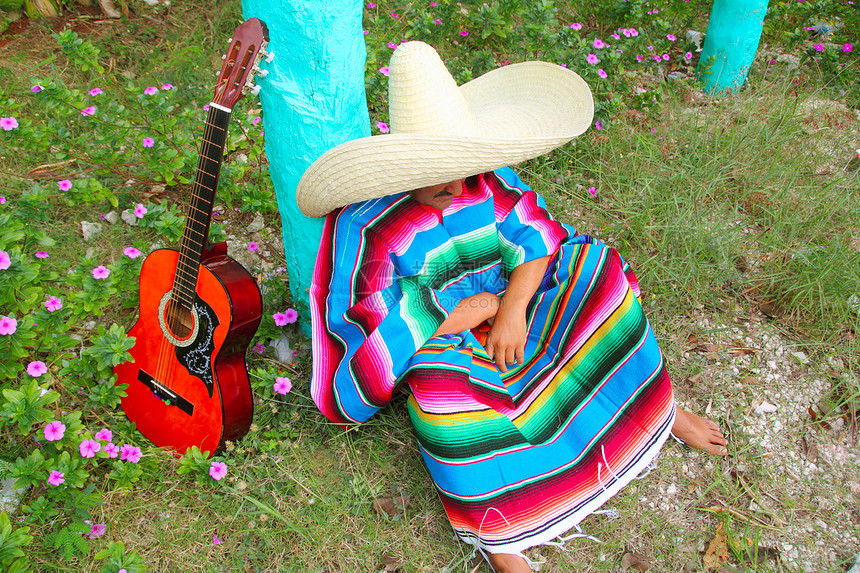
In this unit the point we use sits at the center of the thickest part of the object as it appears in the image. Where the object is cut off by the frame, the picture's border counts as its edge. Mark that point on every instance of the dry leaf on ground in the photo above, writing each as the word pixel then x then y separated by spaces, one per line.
pixel 717 553
pixel 391 506
pixel 635 561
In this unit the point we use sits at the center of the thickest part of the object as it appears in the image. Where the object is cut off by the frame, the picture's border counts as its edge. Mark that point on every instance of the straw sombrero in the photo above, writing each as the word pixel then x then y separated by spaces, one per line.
pixel 441 132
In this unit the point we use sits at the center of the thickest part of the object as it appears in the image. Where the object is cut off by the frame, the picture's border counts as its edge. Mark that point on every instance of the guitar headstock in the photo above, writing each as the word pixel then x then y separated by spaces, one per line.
pixel 241 63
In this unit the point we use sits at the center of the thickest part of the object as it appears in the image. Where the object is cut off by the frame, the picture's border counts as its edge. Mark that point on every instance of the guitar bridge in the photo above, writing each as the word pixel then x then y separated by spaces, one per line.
pixel 165 394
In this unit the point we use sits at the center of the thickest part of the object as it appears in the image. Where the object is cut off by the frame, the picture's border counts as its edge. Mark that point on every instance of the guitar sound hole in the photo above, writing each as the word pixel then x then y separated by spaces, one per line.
pixel 179 320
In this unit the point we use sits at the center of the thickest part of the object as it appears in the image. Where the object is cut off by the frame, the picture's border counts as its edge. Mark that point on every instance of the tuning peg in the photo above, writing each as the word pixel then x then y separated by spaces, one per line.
pixel 224 56
pixel 255 90
pixel 270 56
pixel 230 40
pixel 262 73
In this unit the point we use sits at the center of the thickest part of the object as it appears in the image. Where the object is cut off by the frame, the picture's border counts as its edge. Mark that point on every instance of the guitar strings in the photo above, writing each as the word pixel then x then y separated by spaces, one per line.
pixel 165 365
pixel 187 270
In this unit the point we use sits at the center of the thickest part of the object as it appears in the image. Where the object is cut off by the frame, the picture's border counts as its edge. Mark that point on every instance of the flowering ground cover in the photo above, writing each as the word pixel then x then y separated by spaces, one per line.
pixel 740 215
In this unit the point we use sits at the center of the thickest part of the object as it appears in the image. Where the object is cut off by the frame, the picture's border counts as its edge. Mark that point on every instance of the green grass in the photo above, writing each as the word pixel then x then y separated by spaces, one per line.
pixel 724 207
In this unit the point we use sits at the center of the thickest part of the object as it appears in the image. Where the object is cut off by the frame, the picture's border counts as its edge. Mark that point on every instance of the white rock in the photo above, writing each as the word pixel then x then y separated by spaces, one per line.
pixel 129 217
pixel 671 490
pixel 282 349
pixel 90 230
pixel 801 357
pixel 257 224
pixel 112 217
pixel 765 408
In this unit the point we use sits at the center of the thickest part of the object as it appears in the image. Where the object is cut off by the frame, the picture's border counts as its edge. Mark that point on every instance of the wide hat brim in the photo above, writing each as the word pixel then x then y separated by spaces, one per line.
pixel 520 111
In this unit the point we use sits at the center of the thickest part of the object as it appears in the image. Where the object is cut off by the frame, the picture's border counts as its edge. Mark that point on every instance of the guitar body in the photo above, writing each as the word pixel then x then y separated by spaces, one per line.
pixel 192 391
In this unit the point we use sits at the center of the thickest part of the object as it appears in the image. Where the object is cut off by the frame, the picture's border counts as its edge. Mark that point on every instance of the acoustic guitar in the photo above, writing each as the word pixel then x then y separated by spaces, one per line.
pixel 188 383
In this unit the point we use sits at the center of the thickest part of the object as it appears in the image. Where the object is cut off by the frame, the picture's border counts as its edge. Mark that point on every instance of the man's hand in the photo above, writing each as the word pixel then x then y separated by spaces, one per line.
pixel 506 340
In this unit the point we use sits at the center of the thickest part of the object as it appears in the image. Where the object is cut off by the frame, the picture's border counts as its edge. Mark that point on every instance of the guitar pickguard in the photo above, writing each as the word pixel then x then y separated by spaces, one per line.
pixel 197 356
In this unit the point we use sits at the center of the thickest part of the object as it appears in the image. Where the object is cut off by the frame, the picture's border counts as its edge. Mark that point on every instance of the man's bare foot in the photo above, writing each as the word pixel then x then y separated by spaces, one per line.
pixel 699 433
pixel 508 563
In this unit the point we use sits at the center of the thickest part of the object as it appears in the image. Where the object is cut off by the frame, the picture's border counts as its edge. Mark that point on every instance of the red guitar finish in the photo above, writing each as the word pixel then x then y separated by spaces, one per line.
pixel 188 383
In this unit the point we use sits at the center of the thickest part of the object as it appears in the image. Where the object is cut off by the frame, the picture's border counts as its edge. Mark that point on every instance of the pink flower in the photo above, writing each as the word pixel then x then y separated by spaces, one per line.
pixel 665 57
pixel 291 315
pixel 166 87
pixel 215 540
pixel 111 449
pixel 97 530
pixel 576 26
pixel 848 48
pixel 8 123
pixel 101 272
pixel 464 33
pixel 56 478
pixel 818 47
pixel 9 325
pixel 5 260
pixel 597 125
pixel 602 73
pixel 151 90
pixel 64 185
pixel 256 120
pixel 258 348
pixel 206 107
pixel 392 45
pixel 54 431
pixel 384 71
pixel 2 200
pixel 89 110
pixel 41 255
pixel 217 470
pixel 371 5
pixel 96 91
pixel 282 385
pixel 591 59
pixel 395 15
pixel 382 127
pixel 36 368
pixel 432 4
pixel 53 304
pixel 625 32
pixel 139 211
pixel 688 55
pixel 280 319
pixel 592 191
pixel 104 435
pixel 131 252
pixel 670 37
pixel 633 32
pixel 253 246
pixel 36 89
pixel 598 43
pixel 148 142
pixel 129 453
pixel 88 448
pixel 616 36
pixel 437 21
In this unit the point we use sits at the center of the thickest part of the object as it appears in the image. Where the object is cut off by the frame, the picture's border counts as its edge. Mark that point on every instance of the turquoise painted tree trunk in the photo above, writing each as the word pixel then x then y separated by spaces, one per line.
pixel 313 99
pixel 731 41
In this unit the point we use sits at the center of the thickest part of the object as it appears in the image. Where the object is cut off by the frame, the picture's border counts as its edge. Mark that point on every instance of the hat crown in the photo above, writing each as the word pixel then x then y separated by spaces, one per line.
pixel 423 97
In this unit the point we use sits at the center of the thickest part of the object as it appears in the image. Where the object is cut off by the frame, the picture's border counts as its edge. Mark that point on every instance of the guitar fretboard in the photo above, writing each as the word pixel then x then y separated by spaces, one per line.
pixel 200 213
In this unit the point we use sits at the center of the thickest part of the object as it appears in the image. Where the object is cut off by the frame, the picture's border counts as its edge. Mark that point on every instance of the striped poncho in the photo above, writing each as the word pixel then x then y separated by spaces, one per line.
pixel 519 458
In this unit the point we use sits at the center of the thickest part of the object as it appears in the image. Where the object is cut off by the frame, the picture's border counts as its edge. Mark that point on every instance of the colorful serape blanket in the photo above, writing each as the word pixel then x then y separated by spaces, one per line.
pixel 518 459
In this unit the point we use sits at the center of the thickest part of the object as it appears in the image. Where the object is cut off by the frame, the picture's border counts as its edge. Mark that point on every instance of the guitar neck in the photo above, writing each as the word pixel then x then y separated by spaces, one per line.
pixel 196 233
